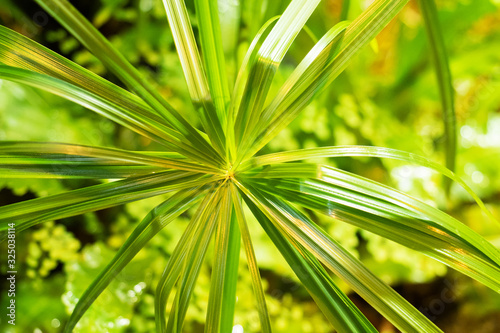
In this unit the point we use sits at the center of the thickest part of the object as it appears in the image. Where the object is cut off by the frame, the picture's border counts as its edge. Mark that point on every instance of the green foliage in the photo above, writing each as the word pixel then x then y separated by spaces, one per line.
pixel 247 152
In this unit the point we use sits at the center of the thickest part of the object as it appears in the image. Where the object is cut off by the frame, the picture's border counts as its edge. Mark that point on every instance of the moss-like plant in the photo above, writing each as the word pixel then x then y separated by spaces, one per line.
pixel 218 168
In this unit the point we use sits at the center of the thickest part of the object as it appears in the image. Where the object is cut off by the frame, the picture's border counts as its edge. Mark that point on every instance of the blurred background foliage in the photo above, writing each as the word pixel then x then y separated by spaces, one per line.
pixel 387 97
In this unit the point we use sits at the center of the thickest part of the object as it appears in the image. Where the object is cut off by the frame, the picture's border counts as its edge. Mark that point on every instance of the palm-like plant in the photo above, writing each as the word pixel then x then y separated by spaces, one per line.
pixel 218 169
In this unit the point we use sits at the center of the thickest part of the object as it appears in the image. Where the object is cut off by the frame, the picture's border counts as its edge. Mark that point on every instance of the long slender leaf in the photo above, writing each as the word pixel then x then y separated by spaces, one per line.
pixel 31 212
pixel 196 254
pixel 177 259
pixel 19 51
pixel 265 322
pixel 231 275
pixel 207 13
pixel 77 168
pixel 304 75
pixel 398 217
pixel 359 33
pixel 70 159
pixel 383 298
pixel 336 306
pixel 102 106
pixel 93 40
pixel 270 56
pixel 193 69
pixel 241 81
pixel 216 296
pixel 443 74
pixel 369 151
pixel 155 221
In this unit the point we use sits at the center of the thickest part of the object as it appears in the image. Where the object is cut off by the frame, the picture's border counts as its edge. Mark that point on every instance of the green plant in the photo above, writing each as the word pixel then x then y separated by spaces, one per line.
pixel 219 169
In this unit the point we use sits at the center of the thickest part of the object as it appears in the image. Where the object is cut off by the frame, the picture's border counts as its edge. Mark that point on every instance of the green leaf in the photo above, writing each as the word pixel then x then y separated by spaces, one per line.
pixel 96 103
pixel 56 160
pixel 96 43
pixel 180 257
pixel 443 74
pixel 396 216
pixel 241 81
pixel 31 212
pixel 298 227
pixel 265 322
pixel 367 151
pixel 336 306
pixel 193 69
pixel 155 221
pixel 195 255
pixel 359 33
pixel 305 75
pixel 231 275
pixel 270 55
pixel 211 42
pixel 17 50
pixel 216 296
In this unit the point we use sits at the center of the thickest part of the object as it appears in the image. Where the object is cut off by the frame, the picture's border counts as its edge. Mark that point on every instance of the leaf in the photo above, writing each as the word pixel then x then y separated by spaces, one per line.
pixel 216 297
pixel 265 322
pixel 270 55
pixel 17 50
pixel 96 43
pixel 213 54
pixel 231 275
pixel 155 221
pixel 241 81
pixel 31 212
pixel 191 269
pixel 358 34
pixel 395 216
pixel 336 306
pixel 380 152
pixel 56 160
pixel 298 227
pixel 304 75
pixel 180 257
pixel 193 69
pixel 155 131
pixel 443 74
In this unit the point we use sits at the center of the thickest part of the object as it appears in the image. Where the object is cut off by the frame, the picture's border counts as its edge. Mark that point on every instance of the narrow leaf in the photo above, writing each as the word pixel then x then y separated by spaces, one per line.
pixel 359 33
pixel 265 322
pixel 336 306
pixel 70 159
pixel 382 297
pixel 155 221
pixel 96 43
pixel 193 69
pixel 31 212
pixel 270 56
pixel 443 74
pixel 368 151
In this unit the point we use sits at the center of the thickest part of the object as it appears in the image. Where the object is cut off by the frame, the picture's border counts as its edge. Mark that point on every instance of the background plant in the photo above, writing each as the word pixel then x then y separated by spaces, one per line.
pixel 304 171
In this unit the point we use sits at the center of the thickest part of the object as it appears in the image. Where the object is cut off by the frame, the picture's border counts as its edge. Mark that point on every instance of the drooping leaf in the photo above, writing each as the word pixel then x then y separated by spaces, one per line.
pixel 155 221
pixel 31 212
pixel 96 43
pixel 298 227
pixel 336 306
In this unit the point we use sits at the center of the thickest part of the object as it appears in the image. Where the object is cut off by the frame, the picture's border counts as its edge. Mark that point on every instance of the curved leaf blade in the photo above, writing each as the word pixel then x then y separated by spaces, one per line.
pixel 336 306
pixel 382 297
pixel 155 221
pixel 443 75
pixel 31 212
